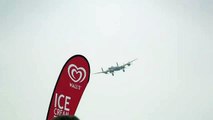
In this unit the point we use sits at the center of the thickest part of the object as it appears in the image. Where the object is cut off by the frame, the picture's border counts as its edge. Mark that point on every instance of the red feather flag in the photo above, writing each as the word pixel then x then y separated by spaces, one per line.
pixel 69 88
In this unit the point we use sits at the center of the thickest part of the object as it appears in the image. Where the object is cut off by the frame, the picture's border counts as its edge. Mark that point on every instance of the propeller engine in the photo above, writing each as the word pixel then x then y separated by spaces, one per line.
pixel 128 64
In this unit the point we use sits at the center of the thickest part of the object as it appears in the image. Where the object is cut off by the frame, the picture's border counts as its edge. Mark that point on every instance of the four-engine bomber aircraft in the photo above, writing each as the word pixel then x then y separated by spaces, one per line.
pixel 112 69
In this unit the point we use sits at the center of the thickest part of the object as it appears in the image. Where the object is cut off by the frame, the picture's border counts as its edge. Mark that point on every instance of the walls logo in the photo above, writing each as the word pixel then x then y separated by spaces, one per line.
pixel 76 74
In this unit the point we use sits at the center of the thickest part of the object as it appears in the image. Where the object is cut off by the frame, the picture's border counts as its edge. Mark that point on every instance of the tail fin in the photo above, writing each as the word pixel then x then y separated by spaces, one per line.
pixel 102 69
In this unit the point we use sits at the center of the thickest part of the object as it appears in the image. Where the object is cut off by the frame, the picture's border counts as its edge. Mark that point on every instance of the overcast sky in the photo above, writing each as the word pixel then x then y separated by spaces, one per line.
pixel 171 39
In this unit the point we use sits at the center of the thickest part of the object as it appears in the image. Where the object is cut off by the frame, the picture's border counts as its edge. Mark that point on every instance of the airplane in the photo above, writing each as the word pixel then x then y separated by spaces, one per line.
pixel 112 69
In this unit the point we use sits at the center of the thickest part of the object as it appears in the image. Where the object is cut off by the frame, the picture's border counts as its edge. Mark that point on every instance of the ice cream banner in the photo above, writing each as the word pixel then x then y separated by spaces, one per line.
pixel 69 88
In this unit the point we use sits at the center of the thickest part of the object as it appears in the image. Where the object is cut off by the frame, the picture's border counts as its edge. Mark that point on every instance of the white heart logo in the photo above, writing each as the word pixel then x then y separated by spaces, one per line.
pixel 77 74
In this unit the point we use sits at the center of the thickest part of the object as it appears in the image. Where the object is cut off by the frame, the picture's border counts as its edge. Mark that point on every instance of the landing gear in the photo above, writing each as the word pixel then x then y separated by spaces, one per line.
pixel 123 70
pixel 112 74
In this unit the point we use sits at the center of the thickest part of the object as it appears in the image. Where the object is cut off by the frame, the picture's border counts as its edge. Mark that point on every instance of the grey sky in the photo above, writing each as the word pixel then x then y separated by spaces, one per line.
pixel 172 39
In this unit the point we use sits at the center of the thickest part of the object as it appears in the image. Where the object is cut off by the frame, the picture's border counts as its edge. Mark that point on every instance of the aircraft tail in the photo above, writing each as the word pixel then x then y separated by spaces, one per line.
pixel 102 69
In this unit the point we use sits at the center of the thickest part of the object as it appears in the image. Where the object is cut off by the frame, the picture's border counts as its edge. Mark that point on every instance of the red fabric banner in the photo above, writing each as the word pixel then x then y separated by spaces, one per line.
pixel 69 88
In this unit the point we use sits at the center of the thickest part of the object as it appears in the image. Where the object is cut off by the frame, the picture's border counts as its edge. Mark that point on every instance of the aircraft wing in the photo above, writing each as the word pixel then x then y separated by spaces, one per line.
pixel 129 63
pixel 105 72
pixel 99 72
